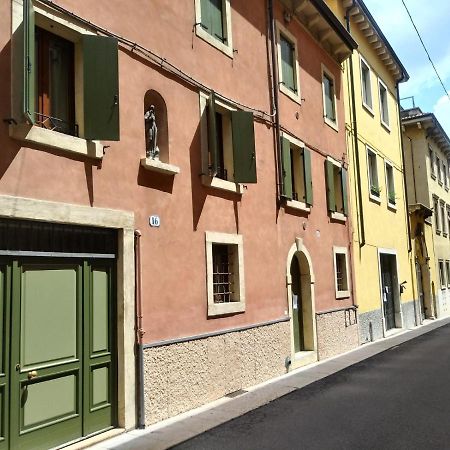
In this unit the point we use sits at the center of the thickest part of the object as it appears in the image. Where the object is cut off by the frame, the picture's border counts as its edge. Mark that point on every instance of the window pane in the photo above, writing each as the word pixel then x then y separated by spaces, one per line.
pixel 367 93
pixel 223 273
pixel 341 272
pixel 328 87
pixel 384 105
pixel 287 64
pixel 217 19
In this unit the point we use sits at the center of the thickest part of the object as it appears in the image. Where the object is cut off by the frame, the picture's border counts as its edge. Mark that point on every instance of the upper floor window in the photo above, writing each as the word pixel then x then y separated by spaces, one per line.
pixel 366 85
pixel 329 98
pixel 384 103
pixel 390 186
pixel 442 274
pixel 439 171
pixel 431 158
pixel 374 186
pixel 297 181
pixel 444 171
pixel 71 82
pixel 443 218
pixel 336 183
pixel 288 63
pixel 213 20
pixel 437 222
pixel 228 144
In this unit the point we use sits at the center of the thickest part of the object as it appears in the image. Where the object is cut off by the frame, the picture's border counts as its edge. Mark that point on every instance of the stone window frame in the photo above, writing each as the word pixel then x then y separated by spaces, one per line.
pixel 335 215
pixel 67 27
pixel 327 73
pixel 362 62
pixel 369 152
pixel 341 251
pixel 235 307
pixel 227 48
pixel 382 84
pixel 390 165
pixel 436 211
pixel 281 30
pixel 432 158
pixel 441 270
pixel 442 210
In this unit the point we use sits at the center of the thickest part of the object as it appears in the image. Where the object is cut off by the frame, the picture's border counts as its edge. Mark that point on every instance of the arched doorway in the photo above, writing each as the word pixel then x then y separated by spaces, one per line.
pixel 300 290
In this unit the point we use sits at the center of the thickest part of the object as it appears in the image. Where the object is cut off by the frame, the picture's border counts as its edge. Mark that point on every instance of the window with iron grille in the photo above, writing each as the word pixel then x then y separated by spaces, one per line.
pixel 442 274
pixel 225 273
pixel 341 272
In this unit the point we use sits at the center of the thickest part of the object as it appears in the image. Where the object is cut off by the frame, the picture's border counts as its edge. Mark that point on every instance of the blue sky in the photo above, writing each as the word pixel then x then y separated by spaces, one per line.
pixel 432 20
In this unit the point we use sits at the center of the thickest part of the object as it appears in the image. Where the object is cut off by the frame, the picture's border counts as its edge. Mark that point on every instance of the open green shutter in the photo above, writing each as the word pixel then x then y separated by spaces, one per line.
pixel 344 177
pixel 101 88
pixel 244 157
pixel 308 176
pixel 329 176
pixel 29 72
pixel 287 175
pixel 212 134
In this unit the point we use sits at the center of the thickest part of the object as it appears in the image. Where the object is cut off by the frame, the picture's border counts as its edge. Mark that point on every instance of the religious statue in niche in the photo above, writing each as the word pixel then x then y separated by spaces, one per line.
pixel 151 133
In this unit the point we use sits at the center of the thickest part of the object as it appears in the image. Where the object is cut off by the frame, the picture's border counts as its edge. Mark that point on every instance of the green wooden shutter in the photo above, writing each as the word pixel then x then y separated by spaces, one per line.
pixel 287 174
pixel 344 177
pixel 29 72
pixel 329 176
pixel 212 134
pixel 217 19
pixel 287 64
pixel 101 88
pixel 308 176
pixel 244 158
pixel 205 15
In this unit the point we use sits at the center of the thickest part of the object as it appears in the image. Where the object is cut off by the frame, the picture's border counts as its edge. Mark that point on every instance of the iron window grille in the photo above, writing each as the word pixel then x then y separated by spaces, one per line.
pixel 341 272
pixel 223 273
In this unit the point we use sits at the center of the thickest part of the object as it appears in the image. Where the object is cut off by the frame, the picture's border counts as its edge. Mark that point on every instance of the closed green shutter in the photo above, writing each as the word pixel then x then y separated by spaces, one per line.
pixel 244 157
pixel 205 15
pixel 29 78
pixel 329 176
pixel 287 174
pixel 287 64
pixel 101 88
pixel 344 177
pixel 308 176
pixel 217 19
pixel 212 135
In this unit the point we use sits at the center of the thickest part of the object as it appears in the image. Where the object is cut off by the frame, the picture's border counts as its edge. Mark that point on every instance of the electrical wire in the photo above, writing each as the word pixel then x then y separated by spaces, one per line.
pixel 426 50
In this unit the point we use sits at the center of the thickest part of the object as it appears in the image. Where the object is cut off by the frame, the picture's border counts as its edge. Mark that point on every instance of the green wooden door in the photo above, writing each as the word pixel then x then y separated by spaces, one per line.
pixel 46 358
pixel 5 278
pixel 62 366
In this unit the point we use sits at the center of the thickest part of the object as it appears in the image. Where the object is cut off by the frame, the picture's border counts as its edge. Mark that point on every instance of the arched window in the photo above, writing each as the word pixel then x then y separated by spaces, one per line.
pixel 153 98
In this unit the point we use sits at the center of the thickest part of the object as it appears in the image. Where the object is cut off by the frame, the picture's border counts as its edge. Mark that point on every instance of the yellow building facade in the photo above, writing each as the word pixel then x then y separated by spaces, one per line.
pixel 383 264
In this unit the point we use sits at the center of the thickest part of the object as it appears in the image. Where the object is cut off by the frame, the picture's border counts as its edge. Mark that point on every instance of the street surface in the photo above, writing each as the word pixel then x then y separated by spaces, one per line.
pixel 399 399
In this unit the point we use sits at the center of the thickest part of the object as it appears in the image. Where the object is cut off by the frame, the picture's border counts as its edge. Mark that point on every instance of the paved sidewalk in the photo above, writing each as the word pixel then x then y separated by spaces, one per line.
pixel 185 426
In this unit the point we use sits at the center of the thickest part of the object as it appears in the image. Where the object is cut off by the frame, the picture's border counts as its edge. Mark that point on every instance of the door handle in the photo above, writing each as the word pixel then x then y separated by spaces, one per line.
pixel 32 374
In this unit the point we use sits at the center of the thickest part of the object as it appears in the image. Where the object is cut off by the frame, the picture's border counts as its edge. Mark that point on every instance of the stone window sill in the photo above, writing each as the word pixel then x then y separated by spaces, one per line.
pixel 295 96
pixel 375 198
pixel 294 204
pixel 224 48
pixel 56 140
pixel 331 123
pixel 159 166
pixel 224 185
pixel 342 294
pixel 222 309
pixel 392 206
pixel 339 217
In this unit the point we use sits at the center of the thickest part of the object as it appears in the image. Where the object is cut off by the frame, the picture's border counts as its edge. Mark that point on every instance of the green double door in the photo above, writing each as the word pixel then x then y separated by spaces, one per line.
pixel 57 365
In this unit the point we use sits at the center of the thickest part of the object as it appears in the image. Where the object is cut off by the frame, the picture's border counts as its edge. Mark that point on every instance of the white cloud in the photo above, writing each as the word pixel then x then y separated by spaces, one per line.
pixel 442 112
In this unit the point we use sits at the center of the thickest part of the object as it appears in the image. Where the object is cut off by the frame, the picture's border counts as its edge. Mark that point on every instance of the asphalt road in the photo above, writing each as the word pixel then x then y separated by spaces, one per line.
pixel 399 399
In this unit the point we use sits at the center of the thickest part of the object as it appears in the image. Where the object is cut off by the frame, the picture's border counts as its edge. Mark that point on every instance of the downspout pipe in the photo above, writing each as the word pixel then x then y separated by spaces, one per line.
pixel 139 351
pixel 362 240
pixel 275 98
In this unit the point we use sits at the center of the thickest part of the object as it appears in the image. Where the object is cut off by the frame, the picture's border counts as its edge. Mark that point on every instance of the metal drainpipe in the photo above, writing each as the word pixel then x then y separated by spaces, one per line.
pixel 275 96
pixel 362 240
pixel 139 333
pixel 404 168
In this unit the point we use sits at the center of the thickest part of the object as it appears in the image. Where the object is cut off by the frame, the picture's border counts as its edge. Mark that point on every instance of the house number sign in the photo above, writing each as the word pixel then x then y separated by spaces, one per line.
pixel 154 221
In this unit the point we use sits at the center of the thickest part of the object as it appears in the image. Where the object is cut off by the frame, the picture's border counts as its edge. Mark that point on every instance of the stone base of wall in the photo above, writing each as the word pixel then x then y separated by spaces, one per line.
pixel 337 332
pixel 182 376
pixel 368 321
pixel 409 314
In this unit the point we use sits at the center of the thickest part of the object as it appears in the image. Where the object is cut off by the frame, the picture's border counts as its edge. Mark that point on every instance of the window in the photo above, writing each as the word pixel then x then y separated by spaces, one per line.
pixel 447 270
pixel 437 222
pixel 439 172
pixel 442 274
pixel 390 186
pixel 69 82
pixel 288 63
pixel 444 170
pixel 329 98
pixel 341 272
pixel 384 107
pixel 432 165
pixel 297 181
pixel 366 85
pixel 228 144
pixel 336 184
pixel 374 187
pixel 448 219
pixel 213 23
pixel 443 219
pixel 225 273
